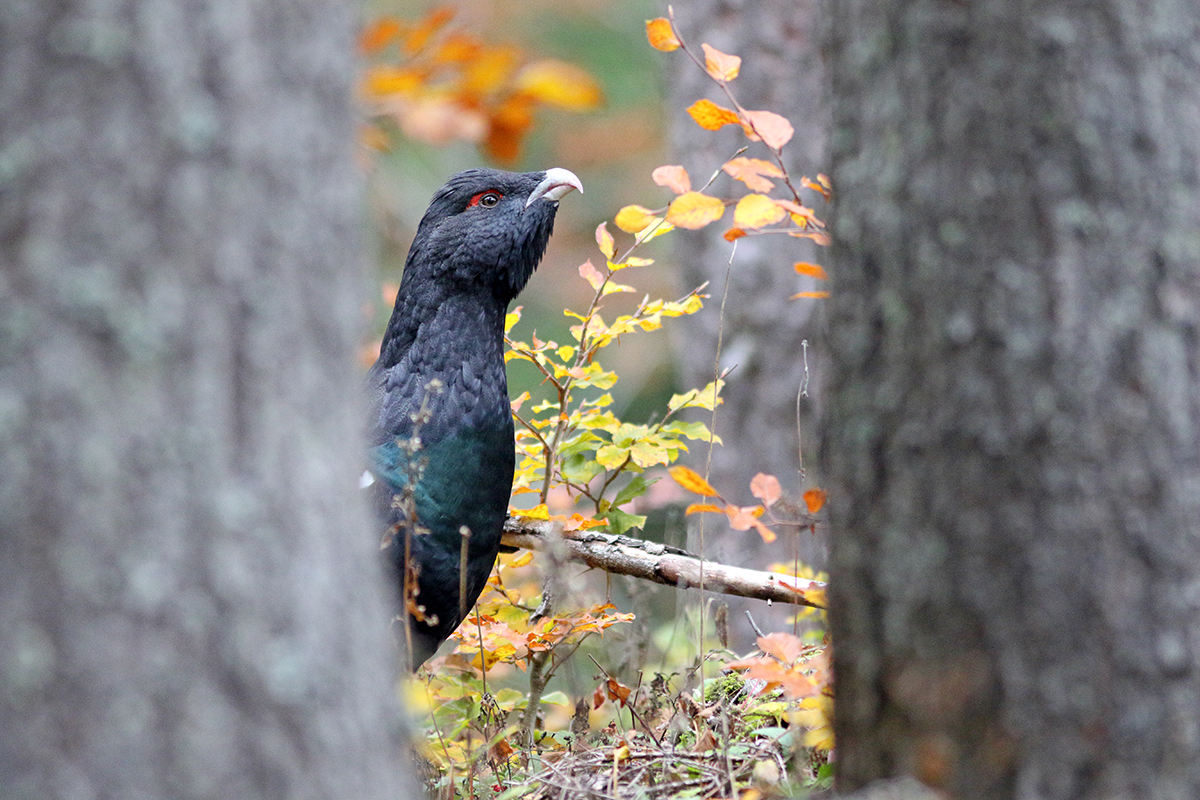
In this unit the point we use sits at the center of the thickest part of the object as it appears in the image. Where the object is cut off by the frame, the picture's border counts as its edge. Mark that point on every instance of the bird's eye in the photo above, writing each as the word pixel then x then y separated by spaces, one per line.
pixel 486 199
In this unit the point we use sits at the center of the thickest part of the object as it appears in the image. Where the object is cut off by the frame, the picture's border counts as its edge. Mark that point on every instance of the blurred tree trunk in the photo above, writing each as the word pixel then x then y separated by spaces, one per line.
pixel 782 71
pixel 1014 415
pixel 188 603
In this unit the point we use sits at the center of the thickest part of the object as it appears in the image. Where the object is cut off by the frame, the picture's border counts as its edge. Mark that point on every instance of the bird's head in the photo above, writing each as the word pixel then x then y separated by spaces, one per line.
pixel 488 229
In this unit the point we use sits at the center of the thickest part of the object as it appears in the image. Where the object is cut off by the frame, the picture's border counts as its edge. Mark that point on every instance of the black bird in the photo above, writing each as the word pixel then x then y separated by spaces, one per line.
pixel 441 430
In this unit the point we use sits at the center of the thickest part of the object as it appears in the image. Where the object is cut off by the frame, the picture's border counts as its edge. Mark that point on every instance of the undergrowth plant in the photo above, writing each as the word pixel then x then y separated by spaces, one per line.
pixel 489 741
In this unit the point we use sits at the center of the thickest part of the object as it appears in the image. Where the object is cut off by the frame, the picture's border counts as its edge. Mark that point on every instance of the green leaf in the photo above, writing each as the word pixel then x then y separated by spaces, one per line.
pixel 635 488
pixel 704 398
pixel 619 522
pixel 697 431
pixel 578 468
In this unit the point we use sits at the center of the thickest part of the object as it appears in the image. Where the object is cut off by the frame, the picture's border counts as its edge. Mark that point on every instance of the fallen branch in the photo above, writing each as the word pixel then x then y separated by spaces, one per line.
pixel 624 555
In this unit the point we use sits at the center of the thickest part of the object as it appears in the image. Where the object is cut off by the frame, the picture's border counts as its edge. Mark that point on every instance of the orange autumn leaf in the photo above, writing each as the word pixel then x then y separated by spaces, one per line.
pixel 772 129
pixel 508 124
pixel 419 36
pixel 557 83
pixel 721 66
pixel 816 187
pixel 694 508
pixel 811 270
pixel 710 116
pixel 757 211
pixel 819 237
pixel 691 480
pixel 766 488
pixel 733 233
pixel 814 499
pixel 694 210
pixel 617 691
pixel 578 522
pixel 604 239
pixel 745 518
pixel 634 219
pixel 754 172
pixel 457 48
pixel 661 36
pixel 490 70
pixel 810 295
pixel 782 646
pixel 379 34
pixel 673 177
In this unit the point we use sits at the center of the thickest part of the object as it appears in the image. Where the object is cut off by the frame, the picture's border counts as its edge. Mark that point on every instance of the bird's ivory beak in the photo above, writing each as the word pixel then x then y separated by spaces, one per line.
pixel 555 185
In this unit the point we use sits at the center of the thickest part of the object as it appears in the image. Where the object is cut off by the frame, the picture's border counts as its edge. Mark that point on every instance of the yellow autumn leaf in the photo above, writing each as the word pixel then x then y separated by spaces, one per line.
pixel 817 597
pixel 634 219
pixel 557 83
pixel 810 295
pixel 384 81
pixel 490 70
pixel 692 481
pixel 694 210
pixel 697 508
pixel 757 211
pixel 520 559
pixel 512 318
pixel 661 36
pixel 710 116
pixel 657 229
pixel 720 66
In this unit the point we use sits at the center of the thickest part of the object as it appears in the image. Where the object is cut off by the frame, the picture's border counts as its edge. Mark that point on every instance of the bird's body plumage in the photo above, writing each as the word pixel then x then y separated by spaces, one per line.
pixel 441 430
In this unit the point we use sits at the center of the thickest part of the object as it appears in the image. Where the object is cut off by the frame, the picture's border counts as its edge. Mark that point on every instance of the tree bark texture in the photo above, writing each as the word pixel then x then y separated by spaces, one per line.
pixel 189 602
pixel 1013 417
pixel 762 329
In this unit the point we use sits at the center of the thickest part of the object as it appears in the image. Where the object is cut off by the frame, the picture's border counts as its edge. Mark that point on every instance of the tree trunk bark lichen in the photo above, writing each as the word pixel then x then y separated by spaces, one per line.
pixel 1014 417
pixel 187 606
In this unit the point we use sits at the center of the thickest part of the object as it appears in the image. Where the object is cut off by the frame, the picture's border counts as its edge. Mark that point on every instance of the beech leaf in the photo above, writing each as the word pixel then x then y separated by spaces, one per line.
pixel 766 488
pixel 608 245
pixel 673 177
pixel 691 480
pixel 661 36
pixel 721 66
pixel 694 210
pixel 710 116
pixel 634 219
pixel 772 129
pixel 592 275
pixel 811 270
pixel 814 499
pixel 754 172
pixel 757 211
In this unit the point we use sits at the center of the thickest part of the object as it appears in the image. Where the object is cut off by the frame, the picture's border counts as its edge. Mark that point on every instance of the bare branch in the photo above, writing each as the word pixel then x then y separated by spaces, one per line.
pixel 624 555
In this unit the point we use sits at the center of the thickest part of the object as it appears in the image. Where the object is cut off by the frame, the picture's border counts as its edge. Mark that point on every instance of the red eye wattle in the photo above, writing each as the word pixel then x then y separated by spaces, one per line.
pixel 486 199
